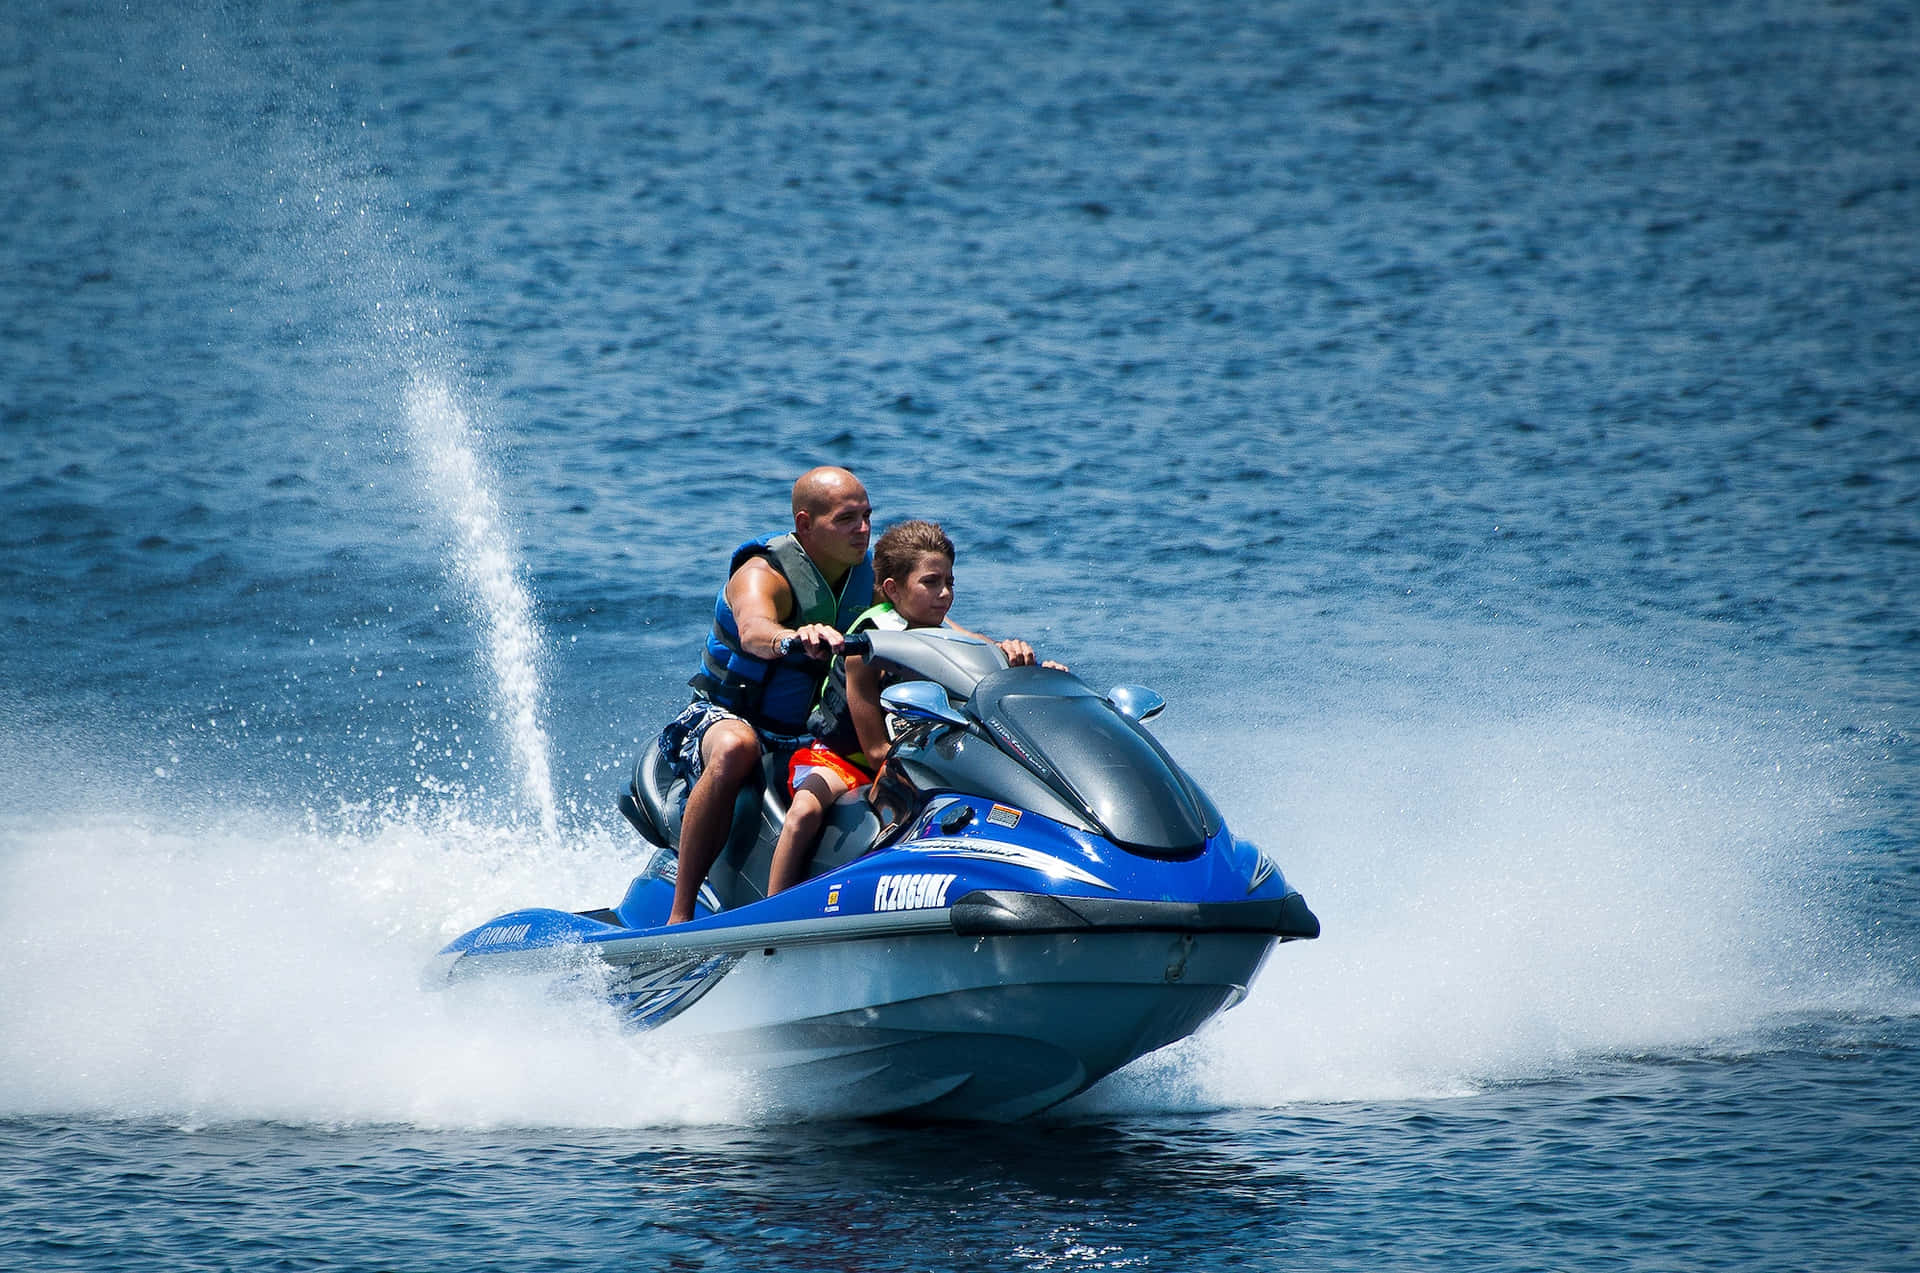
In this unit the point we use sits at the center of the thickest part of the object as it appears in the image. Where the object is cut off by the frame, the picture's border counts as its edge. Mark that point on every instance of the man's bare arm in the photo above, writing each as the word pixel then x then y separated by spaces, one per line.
pixel 762 601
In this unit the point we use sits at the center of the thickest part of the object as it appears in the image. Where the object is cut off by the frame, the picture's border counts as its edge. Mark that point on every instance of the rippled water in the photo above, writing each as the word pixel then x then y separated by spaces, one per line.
pixel 1497 431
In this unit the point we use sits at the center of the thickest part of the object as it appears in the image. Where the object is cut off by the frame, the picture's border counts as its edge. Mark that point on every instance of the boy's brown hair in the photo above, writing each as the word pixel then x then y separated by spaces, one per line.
pixel 900 548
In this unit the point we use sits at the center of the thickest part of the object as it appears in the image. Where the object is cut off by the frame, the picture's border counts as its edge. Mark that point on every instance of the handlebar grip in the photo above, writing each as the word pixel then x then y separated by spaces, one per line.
pixel 857 645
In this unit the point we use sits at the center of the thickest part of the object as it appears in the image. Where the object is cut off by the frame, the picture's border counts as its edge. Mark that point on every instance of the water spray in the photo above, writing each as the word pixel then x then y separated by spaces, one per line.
pixel 462 488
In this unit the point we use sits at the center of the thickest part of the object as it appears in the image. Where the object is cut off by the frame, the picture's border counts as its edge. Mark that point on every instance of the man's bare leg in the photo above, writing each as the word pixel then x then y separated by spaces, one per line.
pixel 729 751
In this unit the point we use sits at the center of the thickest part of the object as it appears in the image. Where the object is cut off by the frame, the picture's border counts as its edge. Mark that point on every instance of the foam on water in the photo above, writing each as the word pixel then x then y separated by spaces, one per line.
pixel 1505 900
pixel 1502 901
pixel 208 969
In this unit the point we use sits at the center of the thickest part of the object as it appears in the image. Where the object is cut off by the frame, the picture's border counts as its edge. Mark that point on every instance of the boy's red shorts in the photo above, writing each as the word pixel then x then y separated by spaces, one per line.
pixel 808 759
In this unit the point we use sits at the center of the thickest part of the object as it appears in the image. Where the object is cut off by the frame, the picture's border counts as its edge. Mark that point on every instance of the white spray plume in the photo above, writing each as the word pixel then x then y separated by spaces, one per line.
pixel 158 968
pixel 462 488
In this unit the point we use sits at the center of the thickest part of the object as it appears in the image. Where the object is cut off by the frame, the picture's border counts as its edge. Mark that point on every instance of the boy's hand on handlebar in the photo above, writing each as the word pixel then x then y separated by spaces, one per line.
pixel 1019 653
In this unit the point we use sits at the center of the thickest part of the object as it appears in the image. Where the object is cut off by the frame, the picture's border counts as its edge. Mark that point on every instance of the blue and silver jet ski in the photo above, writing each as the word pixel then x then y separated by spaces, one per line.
pixel 1035 895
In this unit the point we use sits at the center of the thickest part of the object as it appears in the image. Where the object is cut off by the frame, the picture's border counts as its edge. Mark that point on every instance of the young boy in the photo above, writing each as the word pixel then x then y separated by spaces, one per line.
pixel 913 574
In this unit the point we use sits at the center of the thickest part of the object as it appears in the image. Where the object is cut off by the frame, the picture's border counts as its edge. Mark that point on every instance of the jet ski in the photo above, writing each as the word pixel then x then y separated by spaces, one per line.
pixel 1034 894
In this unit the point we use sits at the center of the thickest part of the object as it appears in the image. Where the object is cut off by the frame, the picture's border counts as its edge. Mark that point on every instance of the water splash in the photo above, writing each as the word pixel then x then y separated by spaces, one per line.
pixel 1509 899
pixel 462 488
pixel 233 1013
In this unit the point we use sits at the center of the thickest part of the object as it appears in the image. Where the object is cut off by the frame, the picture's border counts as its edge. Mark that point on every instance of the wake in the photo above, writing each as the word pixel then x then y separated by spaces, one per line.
pixel 1506 900
pixel 239 969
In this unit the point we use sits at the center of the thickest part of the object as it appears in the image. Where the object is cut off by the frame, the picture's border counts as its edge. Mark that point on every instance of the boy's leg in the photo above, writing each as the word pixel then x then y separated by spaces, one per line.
pixel 801 831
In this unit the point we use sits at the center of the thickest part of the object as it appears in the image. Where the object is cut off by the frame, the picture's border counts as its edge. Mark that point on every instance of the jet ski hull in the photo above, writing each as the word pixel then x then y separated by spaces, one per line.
pixel 990 993
pixel 949 1026
pixel 935 1024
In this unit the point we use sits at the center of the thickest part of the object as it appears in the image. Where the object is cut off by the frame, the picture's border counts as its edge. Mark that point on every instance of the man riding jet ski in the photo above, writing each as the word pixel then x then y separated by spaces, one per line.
pixel 779 618
pixel 1035 895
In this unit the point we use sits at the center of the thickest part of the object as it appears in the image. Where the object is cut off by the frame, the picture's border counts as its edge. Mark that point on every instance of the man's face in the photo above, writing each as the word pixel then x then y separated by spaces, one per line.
pixel 839 531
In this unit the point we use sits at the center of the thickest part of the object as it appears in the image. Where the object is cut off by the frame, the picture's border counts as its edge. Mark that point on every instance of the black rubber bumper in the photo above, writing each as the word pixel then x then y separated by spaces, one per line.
pixel 986 912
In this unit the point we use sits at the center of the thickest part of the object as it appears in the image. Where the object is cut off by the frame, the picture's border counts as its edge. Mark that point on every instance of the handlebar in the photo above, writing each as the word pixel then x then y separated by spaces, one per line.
pixel 859 645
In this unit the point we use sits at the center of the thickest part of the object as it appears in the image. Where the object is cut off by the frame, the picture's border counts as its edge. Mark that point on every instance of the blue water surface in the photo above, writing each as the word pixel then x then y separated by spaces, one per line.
pixel 1495 429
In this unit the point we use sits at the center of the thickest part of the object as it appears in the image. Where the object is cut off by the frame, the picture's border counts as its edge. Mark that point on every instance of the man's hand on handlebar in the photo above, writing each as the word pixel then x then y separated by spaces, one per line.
pixel 819 640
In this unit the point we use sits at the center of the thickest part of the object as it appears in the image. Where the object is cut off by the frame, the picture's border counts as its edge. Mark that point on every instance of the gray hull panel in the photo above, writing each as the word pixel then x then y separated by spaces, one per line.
pixel 943 1026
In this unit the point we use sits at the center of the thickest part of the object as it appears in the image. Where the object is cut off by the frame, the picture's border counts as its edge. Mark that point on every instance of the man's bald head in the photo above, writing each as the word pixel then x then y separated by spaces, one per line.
pixel 831 519
pixel 819 490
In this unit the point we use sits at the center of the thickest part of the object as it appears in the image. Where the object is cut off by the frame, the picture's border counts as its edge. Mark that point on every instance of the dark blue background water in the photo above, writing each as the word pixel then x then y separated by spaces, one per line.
pixel 1496 429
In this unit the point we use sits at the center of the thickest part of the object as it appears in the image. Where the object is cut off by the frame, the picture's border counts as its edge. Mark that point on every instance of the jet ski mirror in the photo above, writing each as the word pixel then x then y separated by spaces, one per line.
pixel 920 701
pixel 1136 702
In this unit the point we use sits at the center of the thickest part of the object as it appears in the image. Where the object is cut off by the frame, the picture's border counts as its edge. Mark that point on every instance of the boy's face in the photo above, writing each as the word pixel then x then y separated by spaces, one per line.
pixel 926 594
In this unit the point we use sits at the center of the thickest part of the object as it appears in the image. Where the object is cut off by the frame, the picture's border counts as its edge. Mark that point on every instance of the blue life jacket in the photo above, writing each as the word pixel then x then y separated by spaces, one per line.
pixel 775 695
